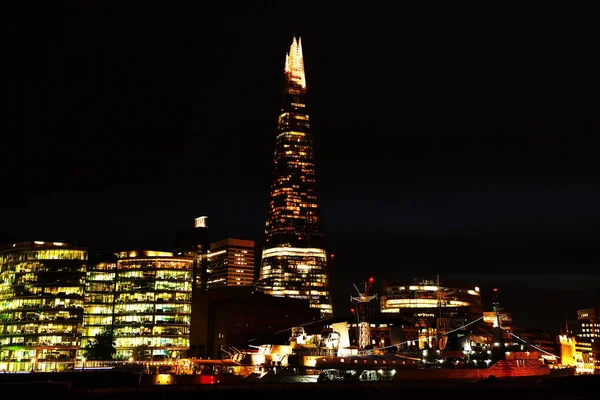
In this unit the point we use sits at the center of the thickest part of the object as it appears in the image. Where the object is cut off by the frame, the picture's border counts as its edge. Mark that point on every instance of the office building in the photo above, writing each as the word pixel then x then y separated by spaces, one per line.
pixel 99 297
pixel 153 298
pixel 41 305
pixel 584 334
pixel 425 299
pixel 194 243
pixel 294 260
pixel 231 263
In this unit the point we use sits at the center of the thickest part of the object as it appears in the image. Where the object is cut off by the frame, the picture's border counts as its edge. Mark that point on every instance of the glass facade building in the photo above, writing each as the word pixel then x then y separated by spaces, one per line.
pixel 152 310
pixel 294 260
pixel 41 305
pixel 99 298
pixel 425 299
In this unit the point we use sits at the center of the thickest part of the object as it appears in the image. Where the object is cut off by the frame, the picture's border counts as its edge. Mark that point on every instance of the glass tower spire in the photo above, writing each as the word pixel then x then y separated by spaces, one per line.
pixel 294 260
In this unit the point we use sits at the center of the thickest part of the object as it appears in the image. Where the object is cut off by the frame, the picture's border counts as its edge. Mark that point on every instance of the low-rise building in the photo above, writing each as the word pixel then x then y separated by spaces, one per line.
pixel 241 318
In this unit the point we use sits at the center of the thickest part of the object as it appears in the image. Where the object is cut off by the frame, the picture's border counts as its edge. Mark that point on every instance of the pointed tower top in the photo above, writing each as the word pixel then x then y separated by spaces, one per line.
pixel 294 63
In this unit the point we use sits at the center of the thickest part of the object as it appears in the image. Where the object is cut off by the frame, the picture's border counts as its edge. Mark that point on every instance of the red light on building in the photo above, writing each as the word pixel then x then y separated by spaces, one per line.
pixel 332 255
pixel 371 280
pixel 495 290
pixel 352 310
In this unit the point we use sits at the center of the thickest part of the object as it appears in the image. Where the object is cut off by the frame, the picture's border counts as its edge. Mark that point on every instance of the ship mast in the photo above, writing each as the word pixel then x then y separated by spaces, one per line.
pixel 498 352
pixel 442 322
pixel 363 313
pixel 439 300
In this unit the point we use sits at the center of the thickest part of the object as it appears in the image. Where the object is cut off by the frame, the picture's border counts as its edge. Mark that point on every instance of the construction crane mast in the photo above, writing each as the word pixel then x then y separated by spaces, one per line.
pixel 363 313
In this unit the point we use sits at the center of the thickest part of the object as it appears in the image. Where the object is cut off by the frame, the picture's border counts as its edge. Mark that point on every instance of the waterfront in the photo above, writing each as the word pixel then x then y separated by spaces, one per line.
pixel 581 387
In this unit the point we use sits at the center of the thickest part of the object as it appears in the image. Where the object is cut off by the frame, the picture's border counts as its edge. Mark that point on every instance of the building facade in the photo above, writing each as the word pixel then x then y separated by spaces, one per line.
pixel 231 263
pixel 153 297
pixel 41 305
pixel 99 302
pixel 424 300
pixel 294 260
pixel 235 316
pixel 194 243
pixel 584 334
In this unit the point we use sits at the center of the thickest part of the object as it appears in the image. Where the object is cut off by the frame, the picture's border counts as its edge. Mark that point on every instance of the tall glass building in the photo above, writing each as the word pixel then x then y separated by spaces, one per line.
pixel 152 310
pixel 41 305
pixel 294 260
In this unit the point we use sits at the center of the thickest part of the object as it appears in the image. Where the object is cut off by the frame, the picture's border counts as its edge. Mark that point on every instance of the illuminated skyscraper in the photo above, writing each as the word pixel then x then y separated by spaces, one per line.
pixel 294 260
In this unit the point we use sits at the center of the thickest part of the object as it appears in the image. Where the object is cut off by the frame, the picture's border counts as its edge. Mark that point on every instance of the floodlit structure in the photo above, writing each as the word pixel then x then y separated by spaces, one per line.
pixel 41 305
pixel 294 260
pixel 580 342
pixel 424 298
pixel 153 299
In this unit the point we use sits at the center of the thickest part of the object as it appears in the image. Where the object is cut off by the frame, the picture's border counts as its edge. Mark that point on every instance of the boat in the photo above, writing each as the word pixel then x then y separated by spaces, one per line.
pixel 391 367
pixel 563 371
pixel 445 355
pixel 448 355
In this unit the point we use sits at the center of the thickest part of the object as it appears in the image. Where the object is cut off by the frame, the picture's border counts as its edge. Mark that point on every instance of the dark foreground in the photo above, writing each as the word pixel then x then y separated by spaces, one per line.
pixel 578 387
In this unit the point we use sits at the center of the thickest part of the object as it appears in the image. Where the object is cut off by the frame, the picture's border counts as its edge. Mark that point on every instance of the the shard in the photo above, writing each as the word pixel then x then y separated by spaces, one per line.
pixel 294 259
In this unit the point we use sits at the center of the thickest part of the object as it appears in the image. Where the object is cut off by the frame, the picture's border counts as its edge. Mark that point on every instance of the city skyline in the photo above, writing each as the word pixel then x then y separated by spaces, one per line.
pixel 463 145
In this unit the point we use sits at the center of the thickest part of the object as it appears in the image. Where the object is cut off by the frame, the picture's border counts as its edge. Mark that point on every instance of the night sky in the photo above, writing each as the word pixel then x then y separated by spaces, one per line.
pixel 446 144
